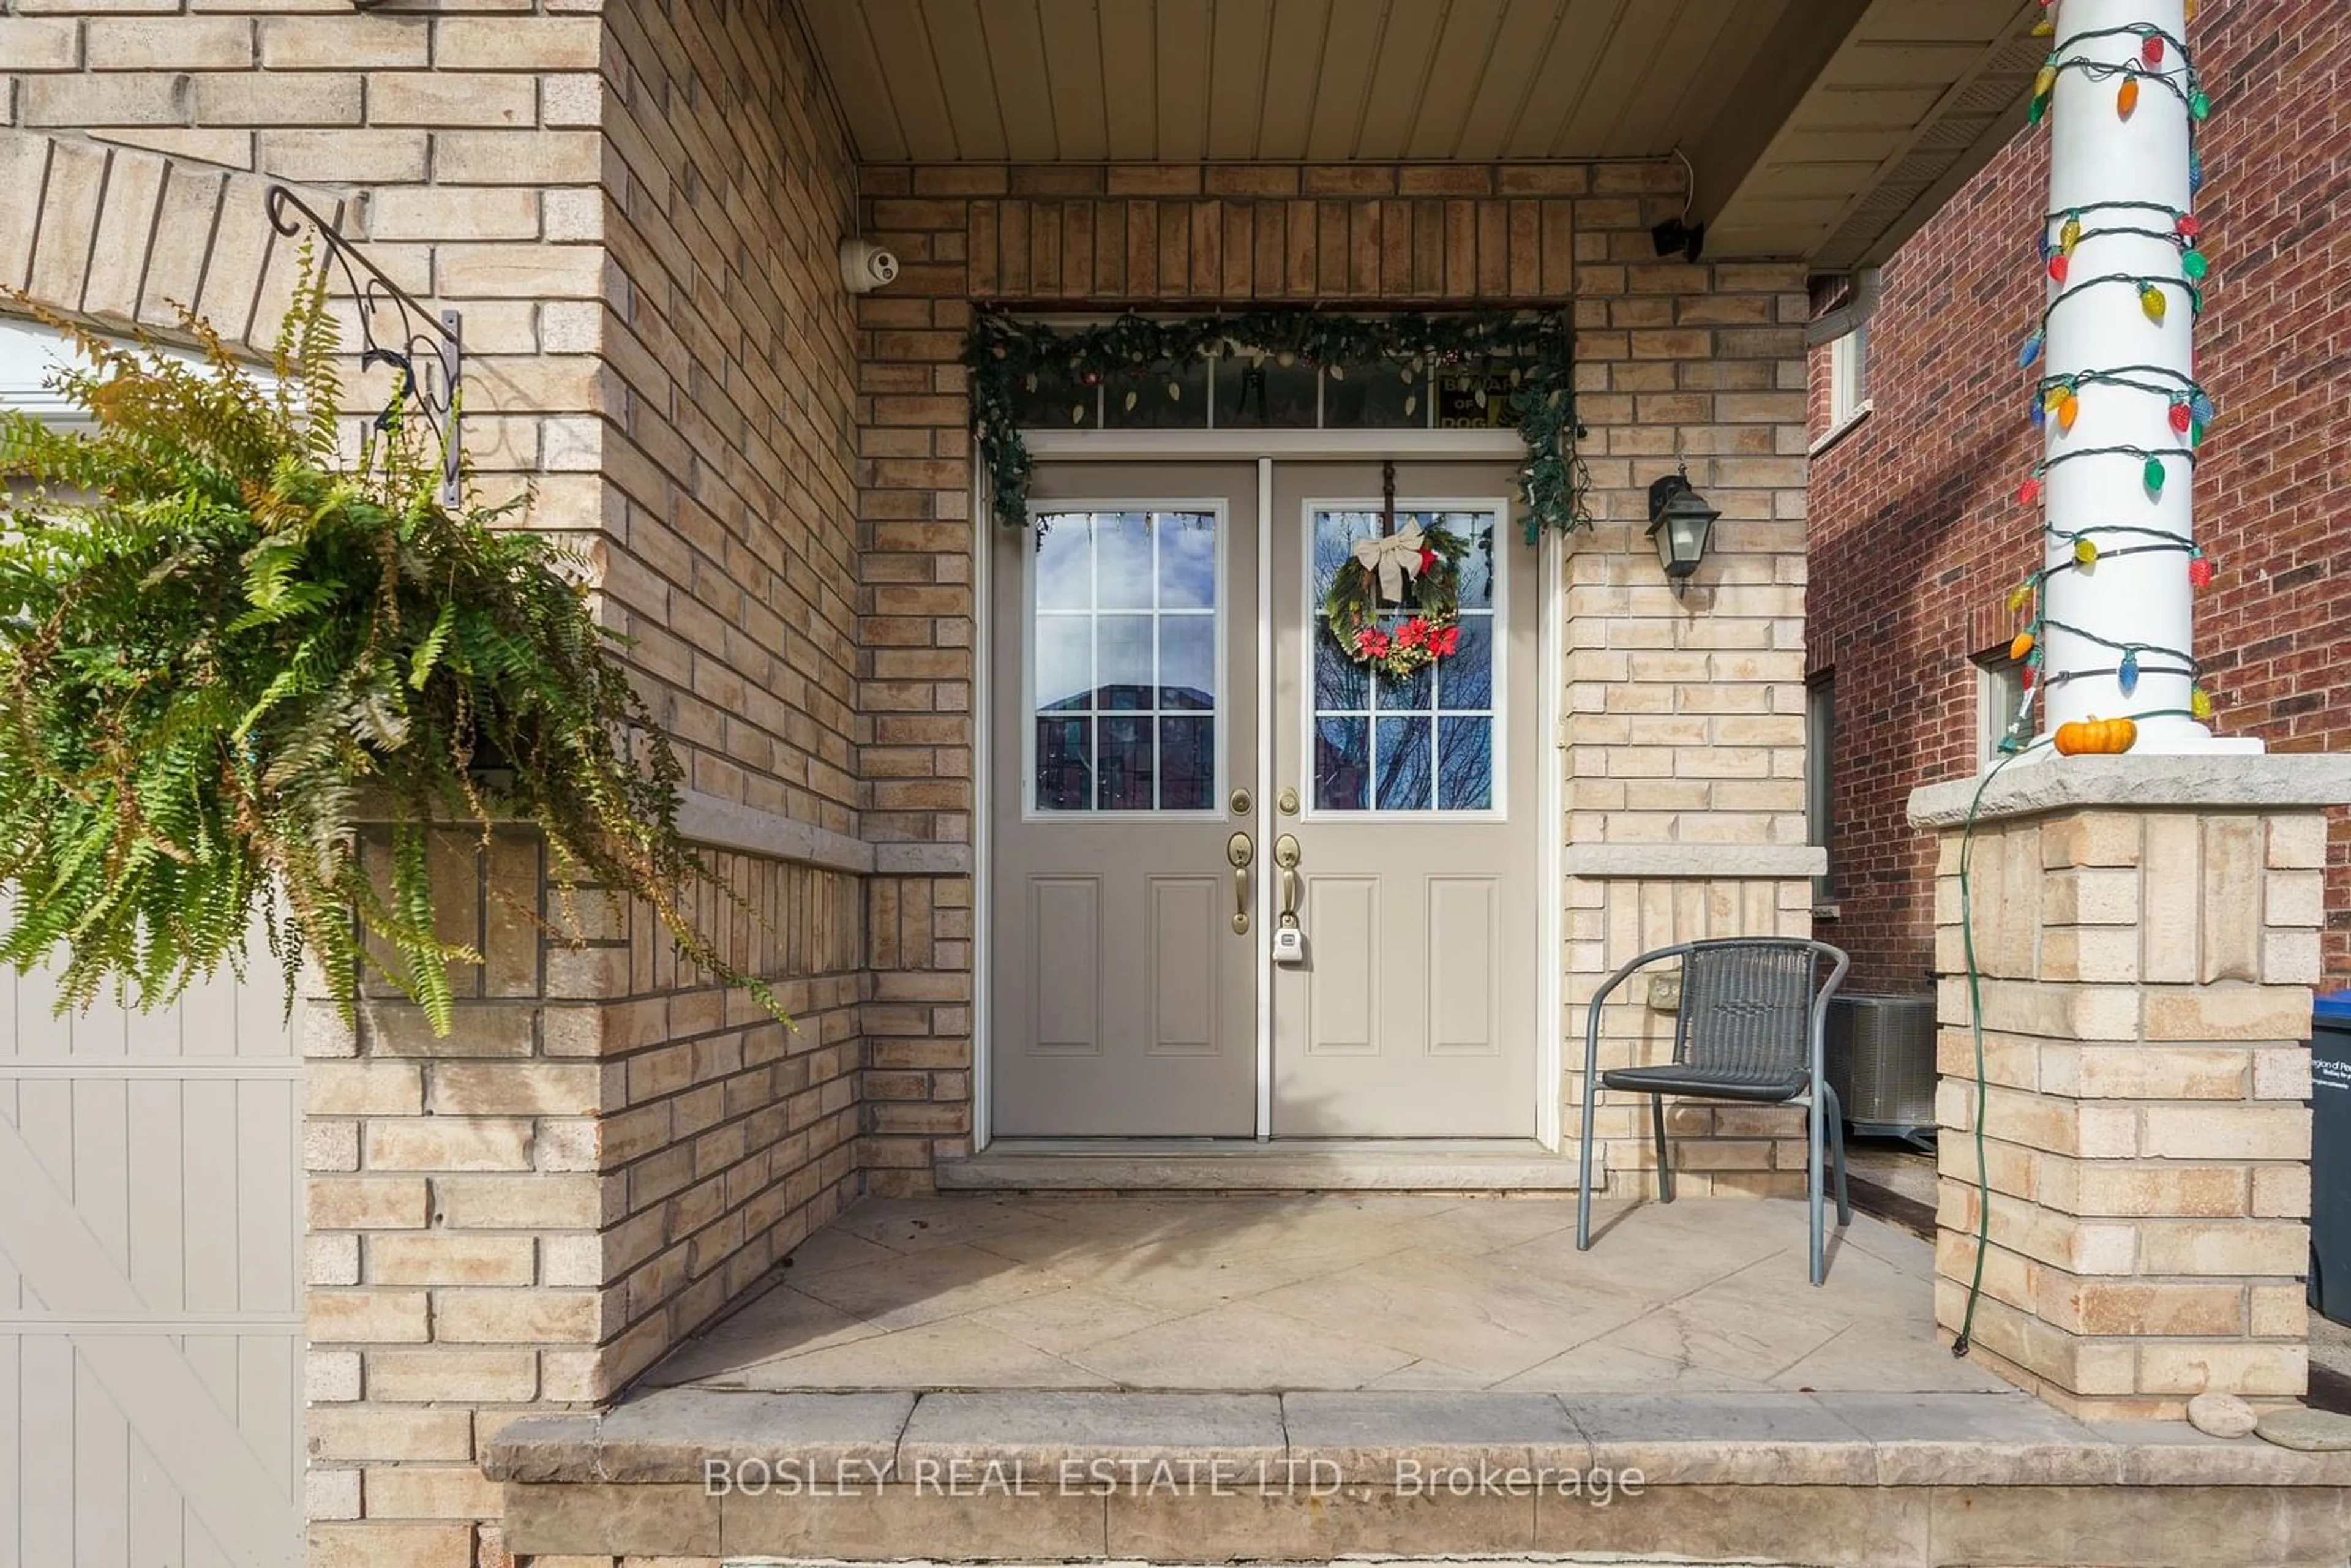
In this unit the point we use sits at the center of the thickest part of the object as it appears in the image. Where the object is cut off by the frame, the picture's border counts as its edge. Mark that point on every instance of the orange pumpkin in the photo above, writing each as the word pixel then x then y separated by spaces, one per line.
pixel 2096 737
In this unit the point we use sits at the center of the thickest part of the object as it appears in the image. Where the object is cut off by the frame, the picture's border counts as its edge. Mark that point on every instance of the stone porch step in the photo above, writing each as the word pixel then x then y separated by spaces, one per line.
pixel 1244 1165
pixel 1850 1479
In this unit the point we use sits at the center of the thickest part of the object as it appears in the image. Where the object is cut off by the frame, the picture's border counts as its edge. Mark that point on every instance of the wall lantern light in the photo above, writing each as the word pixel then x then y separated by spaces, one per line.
pixel 1680 521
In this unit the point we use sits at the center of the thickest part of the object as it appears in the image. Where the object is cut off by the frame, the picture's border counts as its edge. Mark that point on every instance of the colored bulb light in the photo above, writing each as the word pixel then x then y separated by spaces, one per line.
pixel 2151 51
pixel 2151 301
pixel 2153 476
pixel 2199 573
pixel 2181 418
pixel 2127 98
pixel 2058 268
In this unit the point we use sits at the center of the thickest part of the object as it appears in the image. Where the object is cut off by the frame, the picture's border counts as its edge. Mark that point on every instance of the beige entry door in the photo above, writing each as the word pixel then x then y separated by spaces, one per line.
pixel 1416 832
pixel 1126 673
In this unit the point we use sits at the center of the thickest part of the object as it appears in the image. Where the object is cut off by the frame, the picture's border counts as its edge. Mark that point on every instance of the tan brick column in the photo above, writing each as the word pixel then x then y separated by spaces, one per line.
pixel 2145 936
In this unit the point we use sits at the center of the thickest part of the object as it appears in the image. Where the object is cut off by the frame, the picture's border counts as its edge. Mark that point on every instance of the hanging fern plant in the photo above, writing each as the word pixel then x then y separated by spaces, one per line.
pixel 221 644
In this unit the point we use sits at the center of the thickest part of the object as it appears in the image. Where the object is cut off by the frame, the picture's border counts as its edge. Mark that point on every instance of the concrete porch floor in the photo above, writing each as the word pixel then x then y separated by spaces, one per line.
pixel 925 1378
pixel 1333 1292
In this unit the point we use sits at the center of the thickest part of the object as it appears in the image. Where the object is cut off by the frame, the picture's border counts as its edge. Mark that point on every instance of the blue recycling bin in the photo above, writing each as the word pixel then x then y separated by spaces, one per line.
pixel 2330 1157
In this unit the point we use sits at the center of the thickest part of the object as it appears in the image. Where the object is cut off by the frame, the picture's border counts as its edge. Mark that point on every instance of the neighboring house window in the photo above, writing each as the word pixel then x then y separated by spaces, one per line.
pixel 1849 376
pixel 1820 738
pixel 2000 691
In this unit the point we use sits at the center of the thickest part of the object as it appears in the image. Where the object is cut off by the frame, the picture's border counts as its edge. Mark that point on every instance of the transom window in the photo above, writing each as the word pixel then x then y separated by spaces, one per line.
pixel 1241 392
pixel 1125 661
pixel 1426 741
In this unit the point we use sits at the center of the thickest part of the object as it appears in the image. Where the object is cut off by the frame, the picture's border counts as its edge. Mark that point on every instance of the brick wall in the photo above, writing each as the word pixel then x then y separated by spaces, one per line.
pixel 1916 533
pixel 1685 737
pixel 635 206
pixel 2146 1126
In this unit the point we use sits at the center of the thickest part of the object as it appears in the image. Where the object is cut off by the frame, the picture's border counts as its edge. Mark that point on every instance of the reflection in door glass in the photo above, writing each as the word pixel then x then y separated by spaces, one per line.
pixel 1422 742
pixel 1123 661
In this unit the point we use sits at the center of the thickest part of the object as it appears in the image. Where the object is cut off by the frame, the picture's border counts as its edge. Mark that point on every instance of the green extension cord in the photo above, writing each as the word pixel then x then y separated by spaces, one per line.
pixel 1975 1021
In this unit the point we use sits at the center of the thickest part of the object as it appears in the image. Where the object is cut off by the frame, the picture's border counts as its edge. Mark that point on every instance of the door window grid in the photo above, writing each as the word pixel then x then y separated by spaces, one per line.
pixel 1126 603
pixel 1424 742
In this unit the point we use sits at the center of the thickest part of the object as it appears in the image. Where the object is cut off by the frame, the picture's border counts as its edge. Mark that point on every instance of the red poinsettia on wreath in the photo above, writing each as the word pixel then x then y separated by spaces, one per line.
pixel 1357 600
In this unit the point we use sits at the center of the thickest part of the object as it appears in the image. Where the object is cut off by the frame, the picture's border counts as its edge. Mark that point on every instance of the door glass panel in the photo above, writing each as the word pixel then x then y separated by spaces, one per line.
pixel 1342 762
pixel 1378 743
pixel 1123 661
pixel 1403 763
pixel 1464 764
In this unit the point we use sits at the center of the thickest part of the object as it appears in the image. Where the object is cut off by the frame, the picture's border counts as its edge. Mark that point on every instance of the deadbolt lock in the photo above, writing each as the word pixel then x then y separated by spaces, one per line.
pixel 1241 802
pixel 1287 801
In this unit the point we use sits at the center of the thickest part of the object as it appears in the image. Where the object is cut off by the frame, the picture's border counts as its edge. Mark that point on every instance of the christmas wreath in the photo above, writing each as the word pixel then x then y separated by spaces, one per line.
pixel 1381 570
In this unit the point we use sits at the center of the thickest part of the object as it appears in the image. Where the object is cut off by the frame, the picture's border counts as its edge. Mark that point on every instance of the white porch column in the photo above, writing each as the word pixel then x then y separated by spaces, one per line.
pixel 2137 597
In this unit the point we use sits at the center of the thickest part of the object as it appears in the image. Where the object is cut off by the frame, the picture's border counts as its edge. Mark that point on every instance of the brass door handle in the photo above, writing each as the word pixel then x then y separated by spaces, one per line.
pixel 1286 856
pixel 1240 852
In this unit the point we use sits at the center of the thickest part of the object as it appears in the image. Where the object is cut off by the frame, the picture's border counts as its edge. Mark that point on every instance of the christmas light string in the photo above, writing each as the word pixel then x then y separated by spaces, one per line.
pixel 2153 43
pixel 2189 412
pixel 2185 231
pixel 2153 473
pixel 2190 408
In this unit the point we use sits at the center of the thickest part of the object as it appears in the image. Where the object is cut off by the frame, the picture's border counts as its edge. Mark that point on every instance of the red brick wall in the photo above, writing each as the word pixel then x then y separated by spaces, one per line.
pixel 1916 536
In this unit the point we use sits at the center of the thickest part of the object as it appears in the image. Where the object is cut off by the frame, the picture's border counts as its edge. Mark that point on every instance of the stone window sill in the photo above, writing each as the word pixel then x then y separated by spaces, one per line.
pixel 1841 429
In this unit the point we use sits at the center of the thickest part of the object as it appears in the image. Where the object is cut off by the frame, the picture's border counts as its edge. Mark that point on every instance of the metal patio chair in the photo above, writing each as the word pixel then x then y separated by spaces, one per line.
pixel 1748 1028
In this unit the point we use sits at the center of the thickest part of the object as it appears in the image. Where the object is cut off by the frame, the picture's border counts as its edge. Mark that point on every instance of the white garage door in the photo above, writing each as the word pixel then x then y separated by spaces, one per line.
pixel 150 1329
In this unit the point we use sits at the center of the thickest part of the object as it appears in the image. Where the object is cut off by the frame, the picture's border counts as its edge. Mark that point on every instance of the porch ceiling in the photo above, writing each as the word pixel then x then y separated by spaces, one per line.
pixel 1822 129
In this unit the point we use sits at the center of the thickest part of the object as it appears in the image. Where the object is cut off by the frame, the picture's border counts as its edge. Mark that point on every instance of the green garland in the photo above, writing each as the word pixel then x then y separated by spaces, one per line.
pixel 1008 355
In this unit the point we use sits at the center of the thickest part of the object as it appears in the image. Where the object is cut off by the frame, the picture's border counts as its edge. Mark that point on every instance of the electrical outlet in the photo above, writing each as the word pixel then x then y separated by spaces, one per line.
pixel 1664 993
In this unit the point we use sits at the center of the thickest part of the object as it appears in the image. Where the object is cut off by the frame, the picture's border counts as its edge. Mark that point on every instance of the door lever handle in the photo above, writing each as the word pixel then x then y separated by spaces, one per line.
pixel 1240 852
pixel 1286 856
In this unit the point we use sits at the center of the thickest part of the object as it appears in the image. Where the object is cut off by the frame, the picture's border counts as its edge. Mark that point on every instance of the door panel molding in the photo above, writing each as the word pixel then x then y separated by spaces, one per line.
pixel 1343 993
pixel 1464 966
pixel 1065 917
pixel 1187 920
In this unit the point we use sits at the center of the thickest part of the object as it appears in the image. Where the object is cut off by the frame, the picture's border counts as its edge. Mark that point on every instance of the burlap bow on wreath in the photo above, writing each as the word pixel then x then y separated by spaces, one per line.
pixel 1392 559
pixel 1377 573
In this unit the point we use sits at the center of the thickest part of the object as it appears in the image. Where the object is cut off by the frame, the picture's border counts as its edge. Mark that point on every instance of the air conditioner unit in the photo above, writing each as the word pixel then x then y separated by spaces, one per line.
pixel 1881 1062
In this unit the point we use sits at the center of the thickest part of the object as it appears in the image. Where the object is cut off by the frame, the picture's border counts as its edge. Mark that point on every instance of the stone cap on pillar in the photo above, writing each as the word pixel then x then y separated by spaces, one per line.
pixel 2246 782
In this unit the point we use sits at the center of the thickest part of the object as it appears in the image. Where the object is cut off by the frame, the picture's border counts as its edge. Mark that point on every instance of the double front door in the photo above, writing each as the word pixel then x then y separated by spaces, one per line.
pixel 1190 761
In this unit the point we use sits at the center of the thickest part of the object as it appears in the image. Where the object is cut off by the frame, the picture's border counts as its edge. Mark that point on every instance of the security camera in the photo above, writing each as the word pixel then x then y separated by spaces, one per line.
pixel 866 266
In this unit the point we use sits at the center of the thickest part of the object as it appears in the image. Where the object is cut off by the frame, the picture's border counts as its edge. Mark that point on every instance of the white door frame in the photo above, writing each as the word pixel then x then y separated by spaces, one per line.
pixel 1266 447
